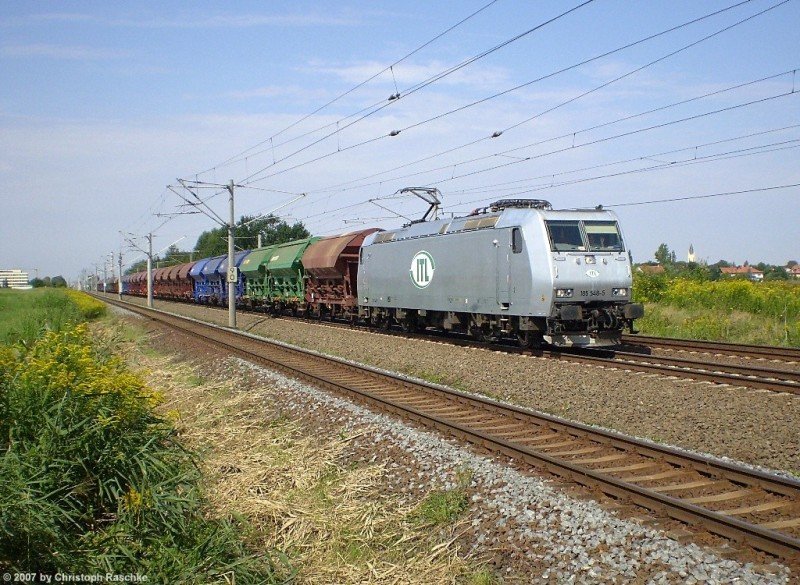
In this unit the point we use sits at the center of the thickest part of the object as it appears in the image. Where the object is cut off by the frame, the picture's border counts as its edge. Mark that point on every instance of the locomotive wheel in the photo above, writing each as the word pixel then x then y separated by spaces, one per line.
pixel 528 340
pixel 409 325
pixel 479 334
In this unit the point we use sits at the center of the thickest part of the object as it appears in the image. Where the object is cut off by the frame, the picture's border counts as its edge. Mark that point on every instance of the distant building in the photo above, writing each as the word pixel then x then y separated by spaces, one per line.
pixel 14 278
pixel 690 257
pixel 747 272
pixel 651 268
pixel 794 271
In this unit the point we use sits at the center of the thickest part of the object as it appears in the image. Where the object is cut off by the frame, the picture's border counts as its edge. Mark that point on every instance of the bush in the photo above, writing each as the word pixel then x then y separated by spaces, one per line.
pixel 89 307
pixel 92 480
pixel 773 299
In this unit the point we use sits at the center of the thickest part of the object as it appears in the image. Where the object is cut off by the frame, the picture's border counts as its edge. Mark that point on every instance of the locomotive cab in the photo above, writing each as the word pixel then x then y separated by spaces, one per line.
pixel 591 272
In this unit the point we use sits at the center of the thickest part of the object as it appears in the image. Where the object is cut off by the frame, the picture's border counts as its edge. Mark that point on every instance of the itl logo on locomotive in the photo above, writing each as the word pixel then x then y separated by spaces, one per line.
pixel 422 269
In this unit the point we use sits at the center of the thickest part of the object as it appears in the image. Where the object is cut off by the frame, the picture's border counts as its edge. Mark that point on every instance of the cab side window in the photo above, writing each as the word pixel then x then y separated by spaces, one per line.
pixel 516 240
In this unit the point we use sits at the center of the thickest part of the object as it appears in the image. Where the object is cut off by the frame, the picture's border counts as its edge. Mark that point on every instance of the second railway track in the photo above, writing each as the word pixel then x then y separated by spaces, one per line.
pixel 771 353
pixel 757 509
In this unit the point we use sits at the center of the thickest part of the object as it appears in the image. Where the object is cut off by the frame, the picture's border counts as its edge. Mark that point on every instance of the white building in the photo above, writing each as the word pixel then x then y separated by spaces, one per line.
pixel 14 278
pixel 691 257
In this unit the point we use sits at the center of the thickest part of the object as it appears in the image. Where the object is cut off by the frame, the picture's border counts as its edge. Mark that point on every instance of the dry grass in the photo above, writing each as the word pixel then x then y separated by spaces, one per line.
pixel 333 521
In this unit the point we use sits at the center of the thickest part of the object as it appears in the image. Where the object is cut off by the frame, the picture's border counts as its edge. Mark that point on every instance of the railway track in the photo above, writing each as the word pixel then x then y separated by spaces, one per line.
pixel 774 379
pixel 750 507
pixel 788 354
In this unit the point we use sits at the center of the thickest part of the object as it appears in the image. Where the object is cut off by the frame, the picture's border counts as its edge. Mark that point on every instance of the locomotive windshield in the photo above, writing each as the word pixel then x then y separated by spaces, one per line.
pixel 600 236
pixel 603 236
pixel 565 236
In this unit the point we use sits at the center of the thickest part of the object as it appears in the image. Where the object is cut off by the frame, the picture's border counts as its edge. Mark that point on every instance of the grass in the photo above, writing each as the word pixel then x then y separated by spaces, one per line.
pixel 442 507
pixel 296 488
pixel 92 480
pixel 26 315
pixel 438 378
pixel 716 325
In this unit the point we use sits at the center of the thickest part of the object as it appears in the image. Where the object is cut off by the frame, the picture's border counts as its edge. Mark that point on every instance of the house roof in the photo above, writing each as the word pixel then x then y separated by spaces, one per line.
pixel 740 270
pixel 651 268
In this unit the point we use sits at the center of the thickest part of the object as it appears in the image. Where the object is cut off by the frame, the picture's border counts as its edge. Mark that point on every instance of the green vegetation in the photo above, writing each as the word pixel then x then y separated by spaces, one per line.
pixel 55 282
pixel 91 478
pixel 735 310
pixel 215 242
pixel 272 230
pixel 26 315
pixel 443 507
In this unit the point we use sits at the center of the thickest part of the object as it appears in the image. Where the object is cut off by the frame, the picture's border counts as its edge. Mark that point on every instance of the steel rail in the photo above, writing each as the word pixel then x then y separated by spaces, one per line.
pixel 761 538
pixel 752 351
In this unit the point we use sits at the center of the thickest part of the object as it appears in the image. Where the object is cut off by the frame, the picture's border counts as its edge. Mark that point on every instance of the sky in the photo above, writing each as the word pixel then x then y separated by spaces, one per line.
pixel 625 104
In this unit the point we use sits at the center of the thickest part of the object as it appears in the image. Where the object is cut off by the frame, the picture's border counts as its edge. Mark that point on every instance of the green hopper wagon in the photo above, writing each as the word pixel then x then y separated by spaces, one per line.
pixel 254 268
pixel 286 283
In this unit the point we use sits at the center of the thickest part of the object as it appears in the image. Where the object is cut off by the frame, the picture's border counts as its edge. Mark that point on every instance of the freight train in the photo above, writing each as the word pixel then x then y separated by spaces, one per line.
pixel 514 269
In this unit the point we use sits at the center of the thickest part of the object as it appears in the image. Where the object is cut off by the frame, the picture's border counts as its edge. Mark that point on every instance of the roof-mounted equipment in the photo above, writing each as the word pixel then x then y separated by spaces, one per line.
pixel 513 204
pixel 431 196
pixel 520 204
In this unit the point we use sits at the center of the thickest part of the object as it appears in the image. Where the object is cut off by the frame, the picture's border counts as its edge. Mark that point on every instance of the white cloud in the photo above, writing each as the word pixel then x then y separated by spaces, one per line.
pixel 406 74
pixel 277 91
pixel 76 53
pixel 220 20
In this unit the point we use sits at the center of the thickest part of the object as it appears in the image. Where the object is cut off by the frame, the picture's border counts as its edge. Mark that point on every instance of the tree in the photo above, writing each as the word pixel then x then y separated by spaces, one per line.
pixel 273 231
pixel 58 282
pixel 665 256
pixel 37 283
pixel 791 263
pixel 775 273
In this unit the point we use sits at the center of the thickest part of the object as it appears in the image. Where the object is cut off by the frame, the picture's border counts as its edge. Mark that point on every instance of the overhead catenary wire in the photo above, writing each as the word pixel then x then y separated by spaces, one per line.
pixel 738 153
pixel 390 67
pixel 570 100
pixel 707 196
pixel 616 136
pixel 573 146
pixel 651 156
pixel 416 88
pixel 574 133
pixel 489 187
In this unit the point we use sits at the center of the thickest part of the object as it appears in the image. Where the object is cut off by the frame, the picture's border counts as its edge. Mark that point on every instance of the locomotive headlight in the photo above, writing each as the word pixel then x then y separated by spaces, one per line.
pixel 590 259
pixel 619 292
pixel 563 293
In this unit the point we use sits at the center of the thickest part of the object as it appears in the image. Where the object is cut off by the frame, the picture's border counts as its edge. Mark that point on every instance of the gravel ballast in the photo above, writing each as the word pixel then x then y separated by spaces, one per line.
pixel 530 527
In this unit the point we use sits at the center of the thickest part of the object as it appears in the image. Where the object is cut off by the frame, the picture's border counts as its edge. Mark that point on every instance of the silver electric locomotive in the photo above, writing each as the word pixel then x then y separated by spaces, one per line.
pixel 516 268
